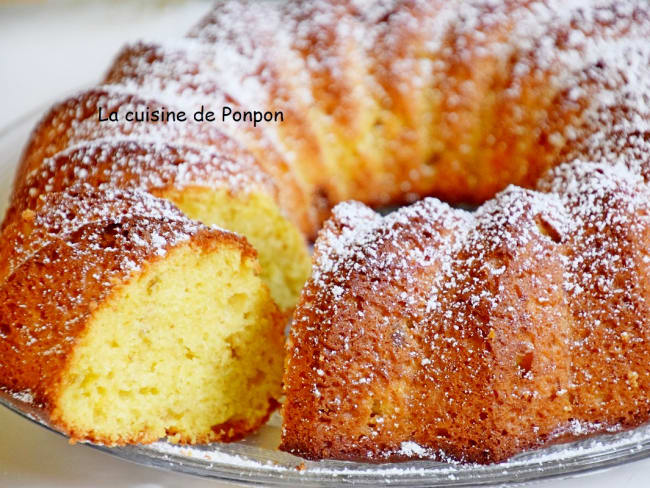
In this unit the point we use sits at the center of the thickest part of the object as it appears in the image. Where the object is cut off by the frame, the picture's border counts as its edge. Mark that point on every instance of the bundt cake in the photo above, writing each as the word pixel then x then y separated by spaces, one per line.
pixel 128 322
pixel 431 332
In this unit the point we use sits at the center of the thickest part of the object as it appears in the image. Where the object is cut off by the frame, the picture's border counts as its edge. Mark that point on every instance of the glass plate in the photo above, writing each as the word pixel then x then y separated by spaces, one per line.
pixel 257 460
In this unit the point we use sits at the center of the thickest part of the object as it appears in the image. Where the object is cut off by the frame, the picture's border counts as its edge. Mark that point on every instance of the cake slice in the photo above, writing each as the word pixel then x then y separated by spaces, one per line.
pixel 127 322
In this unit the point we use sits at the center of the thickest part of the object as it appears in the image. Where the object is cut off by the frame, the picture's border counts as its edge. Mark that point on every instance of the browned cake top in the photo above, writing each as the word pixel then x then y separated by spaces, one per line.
pixel 75 120
pixel 183 67
pixel 353 57
pixel 138 164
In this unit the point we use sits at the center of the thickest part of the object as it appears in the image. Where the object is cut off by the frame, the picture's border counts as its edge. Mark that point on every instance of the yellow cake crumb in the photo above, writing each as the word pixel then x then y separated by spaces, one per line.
pixel 190 349
pixel 281 248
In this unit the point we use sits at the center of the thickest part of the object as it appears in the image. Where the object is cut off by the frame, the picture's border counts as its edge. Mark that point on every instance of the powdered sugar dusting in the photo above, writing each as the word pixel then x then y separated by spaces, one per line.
pixel 348 73
pixel 150 224
pixel 139 164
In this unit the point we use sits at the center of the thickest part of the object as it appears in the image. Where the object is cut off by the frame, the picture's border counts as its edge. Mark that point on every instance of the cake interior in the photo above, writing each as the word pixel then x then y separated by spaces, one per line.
pixel 185 350
pixel 281 248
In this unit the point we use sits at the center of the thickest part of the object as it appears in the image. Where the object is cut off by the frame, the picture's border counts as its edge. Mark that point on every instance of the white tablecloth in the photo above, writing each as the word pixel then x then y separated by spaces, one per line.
pixel 48 50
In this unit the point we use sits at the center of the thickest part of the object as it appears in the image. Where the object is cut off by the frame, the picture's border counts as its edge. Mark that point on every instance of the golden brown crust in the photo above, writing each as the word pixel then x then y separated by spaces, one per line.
pixel 235 430
pixel 524 86
pixel 607 286
pixel 139 165
pixel 375 357
pixel 441 334
pixel 419 98
pixel 75 122
pixel 77 119
pixel 186 70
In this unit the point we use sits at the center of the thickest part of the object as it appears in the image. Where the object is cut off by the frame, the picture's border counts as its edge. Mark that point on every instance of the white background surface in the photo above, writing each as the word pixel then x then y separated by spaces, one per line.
pixel 48 50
